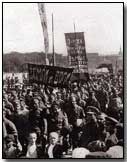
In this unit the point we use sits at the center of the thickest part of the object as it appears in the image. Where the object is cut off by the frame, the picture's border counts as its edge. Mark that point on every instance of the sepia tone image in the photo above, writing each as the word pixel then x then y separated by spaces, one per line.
pixel 62 81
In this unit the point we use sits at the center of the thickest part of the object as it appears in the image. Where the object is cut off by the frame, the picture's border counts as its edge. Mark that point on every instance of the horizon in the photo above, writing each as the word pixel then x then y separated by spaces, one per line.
pixel 111 54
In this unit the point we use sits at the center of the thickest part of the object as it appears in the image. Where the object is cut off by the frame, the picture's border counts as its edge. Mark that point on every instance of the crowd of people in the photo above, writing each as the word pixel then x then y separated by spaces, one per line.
pixel 83 120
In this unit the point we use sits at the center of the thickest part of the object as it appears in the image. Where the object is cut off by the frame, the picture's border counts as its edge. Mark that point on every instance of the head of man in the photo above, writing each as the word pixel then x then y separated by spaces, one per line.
pixel 92 113
pixel 59 95
pixel 17 106
pixel 52 98
pixel 22 103
pixel 53 138
pixel 36 103
pixel 111 124
pixel 91 117
pixel 56 107
pixel 73 101
pixel 32 138
pixel 78 95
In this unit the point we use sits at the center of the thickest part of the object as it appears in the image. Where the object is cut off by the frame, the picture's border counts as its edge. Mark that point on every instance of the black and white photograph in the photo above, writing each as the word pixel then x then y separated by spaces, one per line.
pixel 62 80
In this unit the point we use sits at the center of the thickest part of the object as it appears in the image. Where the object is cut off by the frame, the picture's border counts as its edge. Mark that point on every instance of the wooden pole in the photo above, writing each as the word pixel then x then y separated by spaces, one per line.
pixel 53 49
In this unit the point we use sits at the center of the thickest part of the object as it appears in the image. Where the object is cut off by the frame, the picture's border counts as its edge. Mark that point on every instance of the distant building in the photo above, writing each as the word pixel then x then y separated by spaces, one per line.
pixel 94 59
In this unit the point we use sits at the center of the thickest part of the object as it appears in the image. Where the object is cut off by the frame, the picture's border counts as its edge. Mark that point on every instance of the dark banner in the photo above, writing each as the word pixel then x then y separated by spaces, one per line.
pixel 108 66
pixel 49 75
pixel 75 43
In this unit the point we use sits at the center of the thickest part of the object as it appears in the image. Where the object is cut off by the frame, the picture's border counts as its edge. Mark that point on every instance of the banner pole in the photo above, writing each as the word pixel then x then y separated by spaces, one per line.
pixel 53 49
pixel 75 47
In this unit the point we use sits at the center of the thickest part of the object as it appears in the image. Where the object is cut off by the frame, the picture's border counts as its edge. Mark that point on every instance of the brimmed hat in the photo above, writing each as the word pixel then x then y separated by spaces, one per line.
pixel 111 120
pixel 22 98
pixel 92 109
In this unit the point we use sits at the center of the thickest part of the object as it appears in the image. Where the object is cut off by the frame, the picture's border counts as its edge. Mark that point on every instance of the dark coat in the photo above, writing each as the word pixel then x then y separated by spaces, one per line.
pixel 57 151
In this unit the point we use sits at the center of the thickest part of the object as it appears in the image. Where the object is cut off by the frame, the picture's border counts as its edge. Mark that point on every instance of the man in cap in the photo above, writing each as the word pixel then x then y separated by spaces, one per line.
pixel 90 128
pixel 57 119
pixel 36 117
pixel 115 103
pixel 21 120
pixel 92 101
pixel 76 116
pixel 29 98
pixel 111 128
pixel 103 98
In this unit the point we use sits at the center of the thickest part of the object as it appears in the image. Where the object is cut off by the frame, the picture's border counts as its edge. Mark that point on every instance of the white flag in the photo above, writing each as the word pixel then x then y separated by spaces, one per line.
pixel 41 8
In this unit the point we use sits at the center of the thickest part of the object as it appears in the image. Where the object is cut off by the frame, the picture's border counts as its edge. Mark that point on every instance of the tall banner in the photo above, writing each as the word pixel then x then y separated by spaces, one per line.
pixel 42 13
pixel 49 75
pixel 75 43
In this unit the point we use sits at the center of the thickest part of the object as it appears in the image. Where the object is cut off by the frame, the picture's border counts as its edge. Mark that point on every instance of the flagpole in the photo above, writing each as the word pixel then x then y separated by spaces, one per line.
pixel 74 28
pixel 75 46
pixel 116 67
pixel 53 49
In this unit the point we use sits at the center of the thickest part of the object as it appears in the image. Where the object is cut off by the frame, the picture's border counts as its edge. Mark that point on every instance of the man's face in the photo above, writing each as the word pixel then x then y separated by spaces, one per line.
pixel 58 96
pixel 52 98
pixel 30 93
pixel 22 103
pixel 109 126
pixel 36 103
pixel 79 95
pixel 32 138
pixel 56 109
pixel 73 101
pixel 90 117
pixel 53 138
pixel 18 106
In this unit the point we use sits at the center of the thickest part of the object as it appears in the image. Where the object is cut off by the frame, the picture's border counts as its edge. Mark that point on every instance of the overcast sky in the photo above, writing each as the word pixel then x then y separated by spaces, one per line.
pixel 102 24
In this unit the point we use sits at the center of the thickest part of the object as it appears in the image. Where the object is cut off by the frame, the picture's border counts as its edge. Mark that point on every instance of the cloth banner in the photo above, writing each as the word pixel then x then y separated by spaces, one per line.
pixel 49 75
pixel 75 43
pixel 108 66
pixel 42 13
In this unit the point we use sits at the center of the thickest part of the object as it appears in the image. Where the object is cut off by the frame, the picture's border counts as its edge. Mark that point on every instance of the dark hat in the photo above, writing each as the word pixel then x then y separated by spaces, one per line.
pixel 36 99
pixel 102 116
pixel 97 145
pixel 98 155
pixel 111 120
pixel 119 125
pixel 36 129
pixel 92 109
pixel 22 98
pixel 56 103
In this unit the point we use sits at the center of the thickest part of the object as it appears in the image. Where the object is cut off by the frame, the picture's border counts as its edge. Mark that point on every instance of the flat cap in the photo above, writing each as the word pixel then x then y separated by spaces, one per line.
pixel 93 109
pixel 111 120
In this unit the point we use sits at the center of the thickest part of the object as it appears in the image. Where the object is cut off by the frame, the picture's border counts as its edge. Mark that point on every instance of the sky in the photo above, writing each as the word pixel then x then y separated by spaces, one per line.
pixel 102 24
